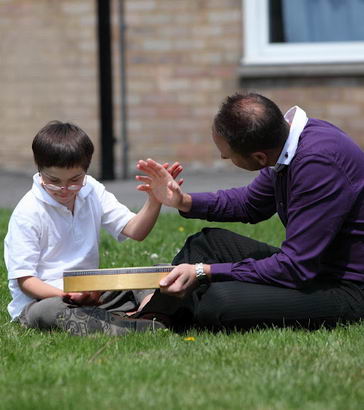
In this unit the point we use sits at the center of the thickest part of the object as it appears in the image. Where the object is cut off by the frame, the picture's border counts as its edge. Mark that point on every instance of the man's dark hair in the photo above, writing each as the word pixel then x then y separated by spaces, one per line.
pixel 250 123
pixel 62 145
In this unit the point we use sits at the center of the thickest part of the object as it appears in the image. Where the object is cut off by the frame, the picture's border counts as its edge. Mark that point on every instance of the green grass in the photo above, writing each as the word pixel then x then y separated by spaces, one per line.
pixel 260 369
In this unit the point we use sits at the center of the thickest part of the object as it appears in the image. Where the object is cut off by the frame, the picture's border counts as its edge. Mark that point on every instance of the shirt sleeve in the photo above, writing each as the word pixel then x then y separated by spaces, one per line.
pixel 250 204
pixel 22 247
pixel 318 202
pixel 115 215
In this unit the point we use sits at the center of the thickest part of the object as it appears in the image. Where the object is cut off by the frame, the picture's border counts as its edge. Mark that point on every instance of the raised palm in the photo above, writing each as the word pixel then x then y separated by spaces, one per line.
pixel 160 181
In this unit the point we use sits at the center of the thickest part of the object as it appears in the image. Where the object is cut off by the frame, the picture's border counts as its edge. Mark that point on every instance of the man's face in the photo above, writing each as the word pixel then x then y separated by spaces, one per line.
pixel 247 162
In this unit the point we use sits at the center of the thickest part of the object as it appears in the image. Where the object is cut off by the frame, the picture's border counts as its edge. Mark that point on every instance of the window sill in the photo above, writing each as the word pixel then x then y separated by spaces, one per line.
pixel 302 70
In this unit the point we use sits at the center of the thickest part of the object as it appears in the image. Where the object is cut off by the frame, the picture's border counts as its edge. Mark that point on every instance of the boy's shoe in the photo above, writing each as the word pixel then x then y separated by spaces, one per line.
pixel 83 321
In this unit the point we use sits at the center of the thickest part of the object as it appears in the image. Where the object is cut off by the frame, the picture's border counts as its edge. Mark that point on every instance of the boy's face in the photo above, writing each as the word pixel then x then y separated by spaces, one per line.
pixel 70 180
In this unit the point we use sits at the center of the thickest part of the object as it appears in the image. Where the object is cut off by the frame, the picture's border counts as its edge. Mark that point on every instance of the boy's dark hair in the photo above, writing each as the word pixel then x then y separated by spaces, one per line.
pixel 251 122
pixel 62 145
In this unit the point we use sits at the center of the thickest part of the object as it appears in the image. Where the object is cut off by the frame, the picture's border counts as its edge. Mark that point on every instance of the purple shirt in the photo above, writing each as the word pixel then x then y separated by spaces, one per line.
pixel 319 198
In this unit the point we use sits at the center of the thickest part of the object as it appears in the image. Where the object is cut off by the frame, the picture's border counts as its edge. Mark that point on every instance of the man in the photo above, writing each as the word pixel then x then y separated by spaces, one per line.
pixel 312 175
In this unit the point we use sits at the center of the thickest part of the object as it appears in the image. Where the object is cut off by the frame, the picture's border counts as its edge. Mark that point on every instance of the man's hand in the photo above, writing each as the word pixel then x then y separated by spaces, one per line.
pixel 174 170
pixel 180 281
pixel 83 298
pixel 161 182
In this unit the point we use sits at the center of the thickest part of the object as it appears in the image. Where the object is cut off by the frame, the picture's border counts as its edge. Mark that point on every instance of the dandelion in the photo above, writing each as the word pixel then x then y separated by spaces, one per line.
pixel 154 256
pixel 181 228
pixel 190 339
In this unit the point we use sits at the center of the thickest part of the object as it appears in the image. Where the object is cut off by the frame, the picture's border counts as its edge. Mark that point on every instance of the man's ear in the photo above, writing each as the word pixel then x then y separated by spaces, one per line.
pixel 261 158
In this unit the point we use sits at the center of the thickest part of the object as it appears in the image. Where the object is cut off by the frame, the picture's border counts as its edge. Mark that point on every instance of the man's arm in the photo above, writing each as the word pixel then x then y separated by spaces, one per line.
pixel 250 204
pixel 319 202
pixel 320 199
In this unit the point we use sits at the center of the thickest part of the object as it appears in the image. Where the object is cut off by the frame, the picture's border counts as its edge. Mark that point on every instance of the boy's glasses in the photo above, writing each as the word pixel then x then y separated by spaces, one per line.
pixel 57 188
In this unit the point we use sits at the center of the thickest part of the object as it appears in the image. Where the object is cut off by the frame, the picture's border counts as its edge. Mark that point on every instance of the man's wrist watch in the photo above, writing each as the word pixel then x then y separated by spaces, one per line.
pixel 201 276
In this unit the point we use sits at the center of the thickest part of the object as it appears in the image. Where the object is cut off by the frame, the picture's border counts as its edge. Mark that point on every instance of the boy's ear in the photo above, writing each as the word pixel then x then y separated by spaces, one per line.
pixel 261 158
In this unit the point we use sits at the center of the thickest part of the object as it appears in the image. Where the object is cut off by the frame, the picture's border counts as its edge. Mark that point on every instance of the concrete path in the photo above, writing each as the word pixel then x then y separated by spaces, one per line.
pixel 14 186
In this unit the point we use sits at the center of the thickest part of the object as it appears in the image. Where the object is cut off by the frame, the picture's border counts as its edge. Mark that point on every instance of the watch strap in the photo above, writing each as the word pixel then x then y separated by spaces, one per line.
pixel 201 276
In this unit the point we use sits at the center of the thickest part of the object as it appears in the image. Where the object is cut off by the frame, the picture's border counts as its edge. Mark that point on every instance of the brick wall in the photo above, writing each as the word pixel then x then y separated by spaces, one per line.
pixel 48 70
pixel 337 100
pixel 182 60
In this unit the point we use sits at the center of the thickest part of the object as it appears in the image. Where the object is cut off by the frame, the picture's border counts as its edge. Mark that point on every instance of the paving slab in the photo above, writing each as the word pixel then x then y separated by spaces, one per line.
pixel 13 186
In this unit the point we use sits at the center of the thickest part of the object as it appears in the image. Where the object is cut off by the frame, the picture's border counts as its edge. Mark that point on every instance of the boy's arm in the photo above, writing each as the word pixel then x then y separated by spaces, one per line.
pixel 37 289
pixel 142 223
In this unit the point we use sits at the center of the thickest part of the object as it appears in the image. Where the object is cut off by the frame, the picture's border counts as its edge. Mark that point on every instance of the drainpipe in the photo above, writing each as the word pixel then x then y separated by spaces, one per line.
pixel 105 90
pixel 123 92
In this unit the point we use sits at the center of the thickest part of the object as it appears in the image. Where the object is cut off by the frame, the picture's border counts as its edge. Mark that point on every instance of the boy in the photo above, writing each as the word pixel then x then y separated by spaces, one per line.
pixel 56 227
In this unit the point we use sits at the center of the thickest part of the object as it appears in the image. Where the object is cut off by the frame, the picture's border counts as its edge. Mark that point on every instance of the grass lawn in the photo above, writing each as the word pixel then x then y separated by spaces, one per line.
pixel 260 369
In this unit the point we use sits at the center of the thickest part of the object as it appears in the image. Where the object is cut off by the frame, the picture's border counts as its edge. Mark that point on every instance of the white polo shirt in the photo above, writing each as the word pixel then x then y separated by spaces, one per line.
pixel 44 238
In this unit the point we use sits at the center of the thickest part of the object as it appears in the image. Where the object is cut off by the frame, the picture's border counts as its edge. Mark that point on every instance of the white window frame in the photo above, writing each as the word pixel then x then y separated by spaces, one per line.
pixel 258 50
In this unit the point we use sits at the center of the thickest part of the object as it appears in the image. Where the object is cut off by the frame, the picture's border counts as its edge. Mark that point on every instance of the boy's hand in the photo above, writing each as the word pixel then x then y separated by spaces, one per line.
pixel 160 181
pixel 83 298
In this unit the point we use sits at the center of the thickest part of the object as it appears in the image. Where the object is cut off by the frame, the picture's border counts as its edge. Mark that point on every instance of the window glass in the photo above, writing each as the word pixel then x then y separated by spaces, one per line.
pixel 296 21
pixel 303 31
